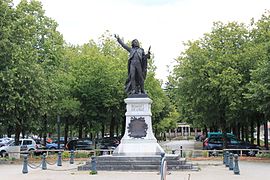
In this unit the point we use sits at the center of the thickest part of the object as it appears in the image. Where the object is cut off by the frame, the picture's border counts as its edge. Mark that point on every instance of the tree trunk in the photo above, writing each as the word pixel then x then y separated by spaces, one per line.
pixel 258 132
pixel 246 133
pixel 252 131
pixel 117 129
pixel 112 125
pixel 66 129
pixel 80 129
pixel 17 132
pixel 238 131
pixel 103 130
pixel 71 133
pixel 22 129
pixel 123 127
pixel 164 136
pixel 85 132
pixel 234 130
pixel 266 144
pixel 45 129
pixel 224 127
pixel 205 132
pixel 242 133
pixel 91 136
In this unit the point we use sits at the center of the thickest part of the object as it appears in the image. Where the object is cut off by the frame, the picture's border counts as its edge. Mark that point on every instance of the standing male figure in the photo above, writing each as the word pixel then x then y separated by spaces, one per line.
pixel 137 66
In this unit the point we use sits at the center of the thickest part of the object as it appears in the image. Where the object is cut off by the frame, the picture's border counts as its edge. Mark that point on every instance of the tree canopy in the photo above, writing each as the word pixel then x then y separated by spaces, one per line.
pixel 220 80
pixel 42 77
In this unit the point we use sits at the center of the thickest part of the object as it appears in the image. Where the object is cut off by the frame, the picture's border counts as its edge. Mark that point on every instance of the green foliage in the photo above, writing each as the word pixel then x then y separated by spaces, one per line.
pixel 65 154
pixel 41 77
pixel 82 155
pixel 169 122
pixel 263 155
pixel 259 86
pixel 32 49
pixel 92 172
pixel 205 154
pixel 212 79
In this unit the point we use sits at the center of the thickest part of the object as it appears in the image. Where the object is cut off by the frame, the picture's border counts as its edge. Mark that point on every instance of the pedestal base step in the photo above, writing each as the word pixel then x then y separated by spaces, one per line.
pixel 143 163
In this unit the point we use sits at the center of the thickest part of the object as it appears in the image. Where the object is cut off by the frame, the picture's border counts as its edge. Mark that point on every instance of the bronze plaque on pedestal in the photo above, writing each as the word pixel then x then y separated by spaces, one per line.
pixel 137 127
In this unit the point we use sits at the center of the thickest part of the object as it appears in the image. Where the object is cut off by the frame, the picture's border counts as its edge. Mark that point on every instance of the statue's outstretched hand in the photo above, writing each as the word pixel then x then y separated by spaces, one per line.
pixel 149 50
pixel 148 55
pixel 116 36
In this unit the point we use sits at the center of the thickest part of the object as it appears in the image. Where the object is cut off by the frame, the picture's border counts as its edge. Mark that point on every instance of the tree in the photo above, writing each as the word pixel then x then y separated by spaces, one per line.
pixel 33 42
pixel 210 78
pixel 259 86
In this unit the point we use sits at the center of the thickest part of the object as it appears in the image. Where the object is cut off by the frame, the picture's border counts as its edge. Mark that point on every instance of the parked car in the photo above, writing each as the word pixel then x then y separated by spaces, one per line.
pixel 219 134
pixel 80 144
pixel 107 143
pixel 200 137
pixel 25 145
pixel 216 143
pixel 5 141
pixel 39 144
pixel 54 145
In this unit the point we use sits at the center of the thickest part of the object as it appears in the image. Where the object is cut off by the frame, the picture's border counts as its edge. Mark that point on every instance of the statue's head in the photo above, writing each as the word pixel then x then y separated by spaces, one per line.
pixel 135 43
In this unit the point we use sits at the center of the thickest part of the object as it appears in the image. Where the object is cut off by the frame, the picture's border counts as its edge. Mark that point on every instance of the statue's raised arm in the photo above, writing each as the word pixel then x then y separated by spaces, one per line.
pixel 126 47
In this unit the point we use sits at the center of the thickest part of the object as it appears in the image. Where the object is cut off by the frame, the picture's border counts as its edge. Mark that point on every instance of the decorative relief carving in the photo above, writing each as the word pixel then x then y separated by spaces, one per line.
pixel 137 107
pixel 137 127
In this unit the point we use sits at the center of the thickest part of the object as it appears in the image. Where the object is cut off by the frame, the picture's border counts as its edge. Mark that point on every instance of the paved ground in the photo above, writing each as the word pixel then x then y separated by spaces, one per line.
pixel 186 144
pixel 209 170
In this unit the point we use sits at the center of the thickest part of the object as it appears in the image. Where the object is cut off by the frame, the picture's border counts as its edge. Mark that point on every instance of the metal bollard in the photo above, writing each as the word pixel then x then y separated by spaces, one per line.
pixel 163 167
pixel 181 151
pixel 71 161
pixel 25 162
pixel 231 161
pixel 59 160
pixel 227 159
pixel 93 165
pixel 162 157
pixel 236 167
pixel 43 164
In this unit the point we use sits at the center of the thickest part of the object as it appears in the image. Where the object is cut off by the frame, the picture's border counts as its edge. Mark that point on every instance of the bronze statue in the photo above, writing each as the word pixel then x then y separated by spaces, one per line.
pixel 137 66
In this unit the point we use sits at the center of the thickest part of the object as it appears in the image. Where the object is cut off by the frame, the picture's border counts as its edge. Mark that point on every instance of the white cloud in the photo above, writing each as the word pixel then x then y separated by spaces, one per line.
pixel 164 24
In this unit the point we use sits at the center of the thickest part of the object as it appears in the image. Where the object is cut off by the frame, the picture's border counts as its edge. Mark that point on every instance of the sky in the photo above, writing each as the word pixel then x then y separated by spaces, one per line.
pixel 163 24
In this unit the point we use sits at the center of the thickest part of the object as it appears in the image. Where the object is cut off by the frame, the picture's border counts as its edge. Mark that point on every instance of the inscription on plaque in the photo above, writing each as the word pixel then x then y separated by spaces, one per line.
pixel 137 127
pixel 137 107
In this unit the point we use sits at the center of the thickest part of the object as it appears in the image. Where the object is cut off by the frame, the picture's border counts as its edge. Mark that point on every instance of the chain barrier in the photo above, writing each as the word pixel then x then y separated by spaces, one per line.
pixel 44 162
pixel 62 169
pixel 51 163
pixel 33 166
pixel 65 160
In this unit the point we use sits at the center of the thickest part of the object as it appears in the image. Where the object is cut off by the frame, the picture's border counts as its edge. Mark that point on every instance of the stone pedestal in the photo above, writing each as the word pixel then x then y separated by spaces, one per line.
pixel 14 152
pixel 138 149
pixel 138 139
